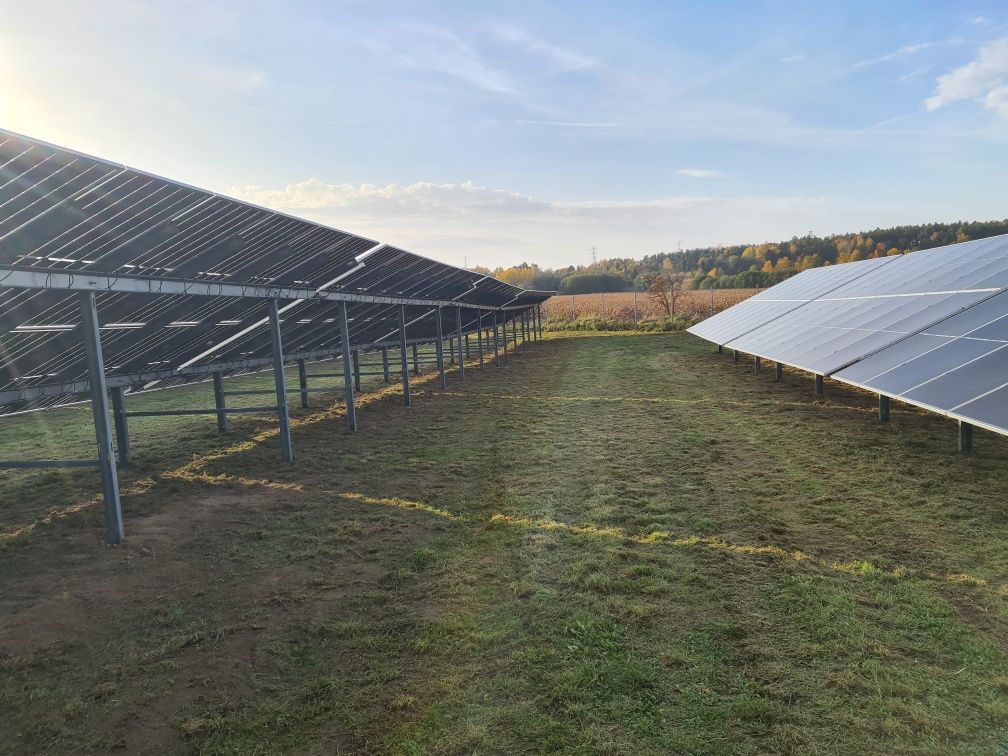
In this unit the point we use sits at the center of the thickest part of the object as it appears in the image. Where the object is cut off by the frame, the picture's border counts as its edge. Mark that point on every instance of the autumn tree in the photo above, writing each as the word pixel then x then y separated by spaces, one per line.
pixel 666 288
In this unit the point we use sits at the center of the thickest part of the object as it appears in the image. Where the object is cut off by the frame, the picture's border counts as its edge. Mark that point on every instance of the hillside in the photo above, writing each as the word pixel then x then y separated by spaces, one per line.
pixel 747 265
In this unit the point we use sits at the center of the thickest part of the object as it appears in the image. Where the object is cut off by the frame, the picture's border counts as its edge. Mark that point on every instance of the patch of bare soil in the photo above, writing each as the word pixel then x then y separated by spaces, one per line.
pixel 167 617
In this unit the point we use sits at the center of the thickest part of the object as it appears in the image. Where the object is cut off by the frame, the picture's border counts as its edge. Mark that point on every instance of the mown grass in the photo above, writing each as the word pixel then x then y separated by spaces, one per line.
pixel 618 544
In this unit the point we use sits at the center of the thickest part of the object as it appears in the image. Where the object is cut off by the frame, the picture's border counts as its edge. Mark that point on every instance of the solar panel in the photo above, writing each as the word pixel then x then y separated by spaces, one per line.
pixel 888 300
pixel 929 328
pixel 780 300
pixel 958 367
pixel 169 252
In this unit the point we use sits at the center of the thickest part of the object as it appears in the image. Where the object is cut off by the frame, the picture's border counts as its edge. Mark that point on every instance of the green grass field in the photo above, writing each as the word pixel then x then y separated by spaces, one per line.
pixel 618 544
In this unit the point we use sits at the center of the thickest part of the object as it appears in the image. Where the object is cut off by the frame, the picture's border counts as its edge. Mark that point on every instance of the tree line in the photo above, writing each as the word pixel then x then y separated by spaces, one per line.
pixel 743 265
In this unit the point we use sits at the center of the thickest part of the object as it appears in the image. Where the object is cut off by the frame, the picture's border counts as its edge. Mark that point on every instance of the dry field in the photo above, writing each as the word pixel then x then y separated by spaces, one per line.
pixel 630 306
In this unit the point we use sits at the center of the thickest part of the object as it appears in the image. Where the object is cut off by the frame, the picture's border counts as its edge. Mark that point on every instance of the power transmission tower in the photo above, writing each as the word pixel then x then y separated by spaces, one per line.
pixel 594 256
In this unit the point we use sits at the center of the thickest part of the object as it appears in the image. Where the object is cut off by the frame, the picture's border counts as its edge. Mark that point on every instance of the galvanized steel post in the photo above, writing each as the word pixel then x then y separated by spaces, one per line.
pixel 479 338
pixel 355 361
pixel 303 383
pixel 965 437
pixel 439 346
pixel 121 426
pixel 504 336
pixel 99 408
pixel 883 408
pixel 458 336
pixel 280 381
pixel 495 341
pixel 219 402
pixel 416 361
pixel 819 388
pixel 407 400
pixel 348 382
pixel 384 364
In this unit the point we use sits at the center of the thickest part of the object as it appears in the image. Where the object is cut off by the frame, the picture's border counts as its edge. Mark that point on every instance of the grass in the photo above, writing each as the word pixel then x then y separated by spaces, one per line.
pixel 618 544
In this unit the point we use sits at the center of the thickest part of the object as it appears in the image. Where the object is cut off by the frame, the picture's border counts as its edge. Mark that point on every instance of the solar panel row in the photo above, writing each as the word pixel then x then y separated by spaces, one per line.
pixel 928 328
pixel 185 276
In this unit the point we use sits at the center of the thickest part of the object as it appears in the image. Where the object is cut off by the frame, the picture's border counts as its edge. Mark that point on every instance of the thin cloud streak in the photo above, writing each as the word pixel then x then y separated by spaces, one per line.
pixel 570 124
pixel 699 173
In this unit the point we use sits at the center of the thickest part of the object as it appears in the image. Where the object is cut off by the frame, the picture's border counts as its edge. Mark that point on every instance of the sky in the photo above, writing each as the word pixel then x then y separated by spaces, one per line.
pixel 495 133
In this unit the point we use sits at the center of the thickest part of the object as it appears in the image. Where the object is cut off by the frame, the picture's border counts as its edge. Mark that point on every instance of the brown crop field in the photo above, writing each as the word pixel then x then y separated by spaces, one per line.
pixel 630 306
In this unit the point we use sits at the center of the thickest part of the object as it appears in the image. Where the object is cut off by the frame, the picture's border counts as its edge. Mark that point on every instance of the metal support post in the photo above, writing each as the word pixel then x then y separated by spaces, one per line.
pixel 735 355
pixel 496 345
pixel 479 338
pixel 965 437
pixel 819 390
pixel 504 336
pixel 355 361
pixel 219 402
pixel 883 408
pixel 451 350
pixel 539 310
pixel 439 346
pixel 720 349
pixel 458 337
pixel 99 408
pixel 514 333
pixel 757 364
pixel 778 371
pixel 303 383
pixel 416 361
pixel 348 378
pixel 121 426
pixel 384 364
pixel 280 381
pixel 468 354
pixel 407 400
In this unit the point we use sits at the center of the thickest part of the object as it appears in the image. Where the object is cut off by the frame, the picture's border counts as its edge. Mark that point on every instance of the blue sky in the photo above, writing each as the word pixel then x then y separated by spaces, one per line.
pixel 501 132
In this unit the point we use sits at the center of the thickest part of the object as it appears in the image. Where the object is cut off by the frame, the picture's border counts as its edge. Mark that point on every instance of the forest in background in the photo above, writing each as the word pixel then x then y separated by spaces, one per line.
pixel 743 265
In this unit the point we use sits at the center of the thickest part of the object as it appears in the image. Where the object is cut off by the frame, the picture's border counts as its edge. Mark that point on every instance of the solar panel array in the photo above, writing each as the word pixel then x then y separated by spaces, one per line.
pixel 928 328
pixel 184 277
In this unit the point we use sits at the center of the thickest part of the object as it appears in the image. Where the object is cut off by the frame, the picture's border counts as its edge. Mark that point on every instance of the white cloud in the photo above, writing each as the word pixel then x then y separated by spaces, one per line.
pixel 792 58
pixel 984 80
pixel 699 173
pixel 495 226
pixel 980 21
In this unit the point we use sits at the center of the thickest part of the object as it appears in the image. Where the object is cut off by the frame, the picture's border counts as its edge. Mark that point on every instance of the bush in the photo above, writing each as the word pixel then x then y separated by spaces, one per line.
pixel 677 323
